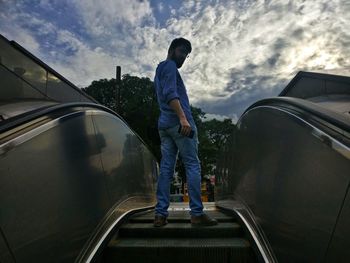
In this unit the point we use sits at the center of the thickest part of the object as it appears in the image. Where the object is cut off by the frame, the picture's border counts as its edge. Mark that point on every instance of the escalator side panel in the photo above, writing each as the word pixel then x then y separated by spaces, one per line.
pixel 125 158
pixel 293 181
pixel 5 252
pixel 339 245
pixel 52 192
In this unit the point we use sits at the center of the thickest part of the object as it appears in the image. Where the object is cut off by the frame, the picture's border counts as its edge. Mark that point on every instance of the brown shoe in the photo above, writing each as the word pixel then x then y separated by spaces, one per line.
pixel 203 220
pixel 159 221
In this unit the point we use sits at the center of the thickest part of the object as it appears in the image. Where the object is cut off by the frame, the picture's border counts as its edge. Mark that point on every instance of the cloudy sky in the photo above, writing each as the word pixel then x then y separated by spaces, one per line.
pixel 243 50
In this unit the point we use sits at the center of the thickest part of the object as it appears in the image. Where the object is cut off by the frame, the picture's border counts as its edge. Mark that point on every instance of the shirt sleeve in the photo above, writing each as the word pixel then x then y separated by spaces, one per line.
pixel 169 77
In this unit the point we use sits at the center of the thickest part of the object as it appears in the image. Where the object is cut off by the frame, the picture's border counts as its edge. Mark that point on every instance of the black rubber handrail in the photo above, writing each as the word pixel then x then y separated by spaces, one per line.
pixel 304 106
pixel 14 122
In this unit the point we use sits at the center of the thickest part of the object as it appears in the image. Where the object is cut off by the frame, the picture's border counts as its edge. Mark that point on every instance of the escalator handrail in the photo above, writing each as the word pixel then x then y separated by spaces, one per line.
pixel 18 120
pixel 13 122
pixel 308 107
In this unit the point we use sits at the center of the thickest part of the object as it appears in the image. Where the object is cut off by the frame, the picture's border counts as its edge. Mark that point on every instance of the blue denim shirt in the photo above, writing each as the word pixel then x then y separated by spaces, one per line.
pixel 169 85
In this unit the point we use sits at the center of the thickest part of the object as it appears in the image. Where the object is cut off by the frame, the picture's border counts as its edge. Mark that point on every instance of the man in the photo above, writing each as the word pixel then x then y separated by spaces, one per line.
pixel 178 133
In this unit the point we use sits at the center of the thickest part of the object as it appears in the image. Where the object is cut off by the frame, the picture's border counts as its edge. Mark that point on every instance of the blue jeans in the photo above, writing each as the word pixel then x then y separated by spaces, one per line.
pixel 171 144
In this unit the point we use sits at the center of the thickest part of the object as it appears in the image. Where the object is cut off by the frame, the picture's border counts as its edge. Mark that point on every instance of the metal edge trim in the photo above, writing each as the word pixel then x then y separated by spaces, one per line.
pixel 254 236
pixel 305 106
pixel 101 109
pixel 319 134
pixel 45 127
pixel 96 247
pixel 263 249
pixel 36 131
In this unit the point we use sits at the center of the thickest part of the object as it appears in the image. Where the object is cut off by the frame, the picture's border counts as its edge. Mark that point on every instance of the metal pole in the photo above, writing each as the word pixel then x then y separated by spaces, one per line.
pixel 118 80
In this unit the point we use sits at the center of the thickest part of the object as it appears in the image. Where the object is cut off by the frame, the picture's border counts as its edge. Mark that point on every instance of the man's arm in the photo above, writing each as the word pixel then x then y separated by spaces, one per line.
pixel 176 106
pixel 172 97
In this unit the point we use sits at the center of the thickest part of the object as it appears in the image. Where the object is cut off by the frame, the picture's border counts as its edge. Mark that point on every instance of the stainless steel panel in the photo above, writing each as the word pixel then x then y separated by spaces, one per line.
pixel 5 252
pixel 126 160
pixel 55 196
pixel 293 180
pixel 339 246
pixel 52 192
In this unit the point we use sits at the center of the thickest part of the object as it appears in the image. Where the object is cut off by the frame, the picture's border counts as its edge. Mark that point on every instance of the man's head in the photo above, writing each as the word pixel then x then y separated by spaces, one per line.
pixel 179 50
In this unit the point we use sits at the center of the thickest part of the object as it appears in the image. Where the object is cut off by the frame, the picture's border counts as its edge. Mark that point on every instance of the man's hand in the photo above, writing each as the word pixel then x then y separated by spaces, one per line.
pixel 185 127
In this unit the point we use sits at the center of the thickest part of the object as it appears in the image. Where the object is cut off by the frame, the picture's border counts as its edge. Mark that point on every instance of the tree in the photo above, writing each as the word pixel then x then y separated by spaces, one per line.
pixel 139 108
pixel 138 105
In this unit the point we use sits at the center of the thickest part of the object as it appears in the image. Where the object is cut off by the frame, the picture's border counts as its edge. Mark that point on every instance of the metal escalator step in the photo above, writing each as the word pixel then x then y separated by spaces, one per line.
pixel 222 230
pixel 180 216
pixel 179 250
pixel 178 243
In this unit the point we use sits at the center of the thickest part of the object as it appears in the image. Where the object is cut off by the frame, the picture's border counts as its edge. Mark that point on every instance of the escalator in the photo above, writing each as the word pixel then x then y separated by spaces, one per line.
pixel 288 166
pixel 65 171
pixel 63 187
pixel 71 199
pixel 78 185
pixel 138 241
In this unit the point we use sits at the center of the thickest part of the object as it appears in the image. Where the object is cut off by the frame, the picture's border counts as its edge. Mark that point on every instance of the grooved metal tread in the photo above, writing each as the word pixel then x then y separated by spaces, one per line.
pixel 182 226
pixel 226 229
pixel 178 243
pixel 180 216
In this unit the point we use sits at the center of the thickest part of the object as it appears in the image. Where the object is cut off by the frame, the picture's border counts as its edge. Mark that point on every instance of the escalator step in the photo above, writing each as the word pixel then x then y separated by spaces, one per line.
pixel 180 216
pixel 144 230
pixel 179 250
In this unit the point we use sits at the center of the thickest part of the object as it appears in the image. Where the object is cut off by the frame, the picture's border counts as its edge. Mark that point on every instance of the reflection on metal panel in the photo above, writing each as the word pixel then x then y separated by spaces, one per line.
pixel 60 90
pixel 292 179
pixel 124 158
pixel 23 66
pixel 54 192
pixel 23 76
pixel 12 87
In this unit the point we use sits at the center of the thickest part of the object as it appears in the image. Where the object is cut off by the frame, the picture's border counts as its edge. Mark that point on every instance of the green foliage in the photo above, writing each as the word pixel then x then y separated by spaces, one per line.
pixel 139 107
pixel 212 136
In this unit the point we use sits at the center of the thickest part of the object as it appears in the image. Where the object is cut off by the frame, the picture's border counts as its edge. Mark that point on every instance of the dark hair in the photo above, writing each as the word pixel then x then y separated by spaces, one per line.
pixel 179 42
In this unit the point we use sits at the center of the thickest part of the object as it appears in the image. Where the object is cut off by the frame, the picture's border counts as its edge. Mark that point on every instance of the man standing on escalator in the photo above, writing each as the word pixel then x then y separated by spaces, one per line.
pixel 178 134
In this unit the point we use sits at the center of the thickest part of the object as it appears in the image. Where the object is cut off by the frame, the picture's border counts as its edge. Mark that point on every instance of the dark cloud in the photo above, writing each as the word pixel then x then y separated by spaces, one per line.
pixel 298 33
pixel 241 100
pixel 247 86
pixel 272 61
pixel 243 50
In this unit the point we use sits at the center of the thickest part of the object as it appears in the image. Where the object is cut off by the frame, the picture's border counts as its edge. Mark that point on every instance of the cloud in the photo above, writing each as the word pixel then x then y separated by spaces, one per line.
pixel 160 7
pixel 25 38
pixel 210 116
pixel 243 51
pixel 14 30
pixel 102 17
pixel 248 86
pixel 244 54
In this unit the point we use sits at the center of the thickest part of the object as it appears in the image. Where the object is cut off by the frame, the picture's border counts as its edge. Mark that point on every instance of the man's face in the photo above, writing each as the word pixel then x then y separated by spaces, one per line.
pixel 179 55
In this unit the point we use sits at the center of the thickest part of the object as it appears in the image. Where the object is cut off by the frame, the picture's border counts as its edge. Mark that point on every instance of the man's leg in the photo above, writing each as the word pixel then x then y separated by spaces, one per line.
pixel 167 165
pixel 188 148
